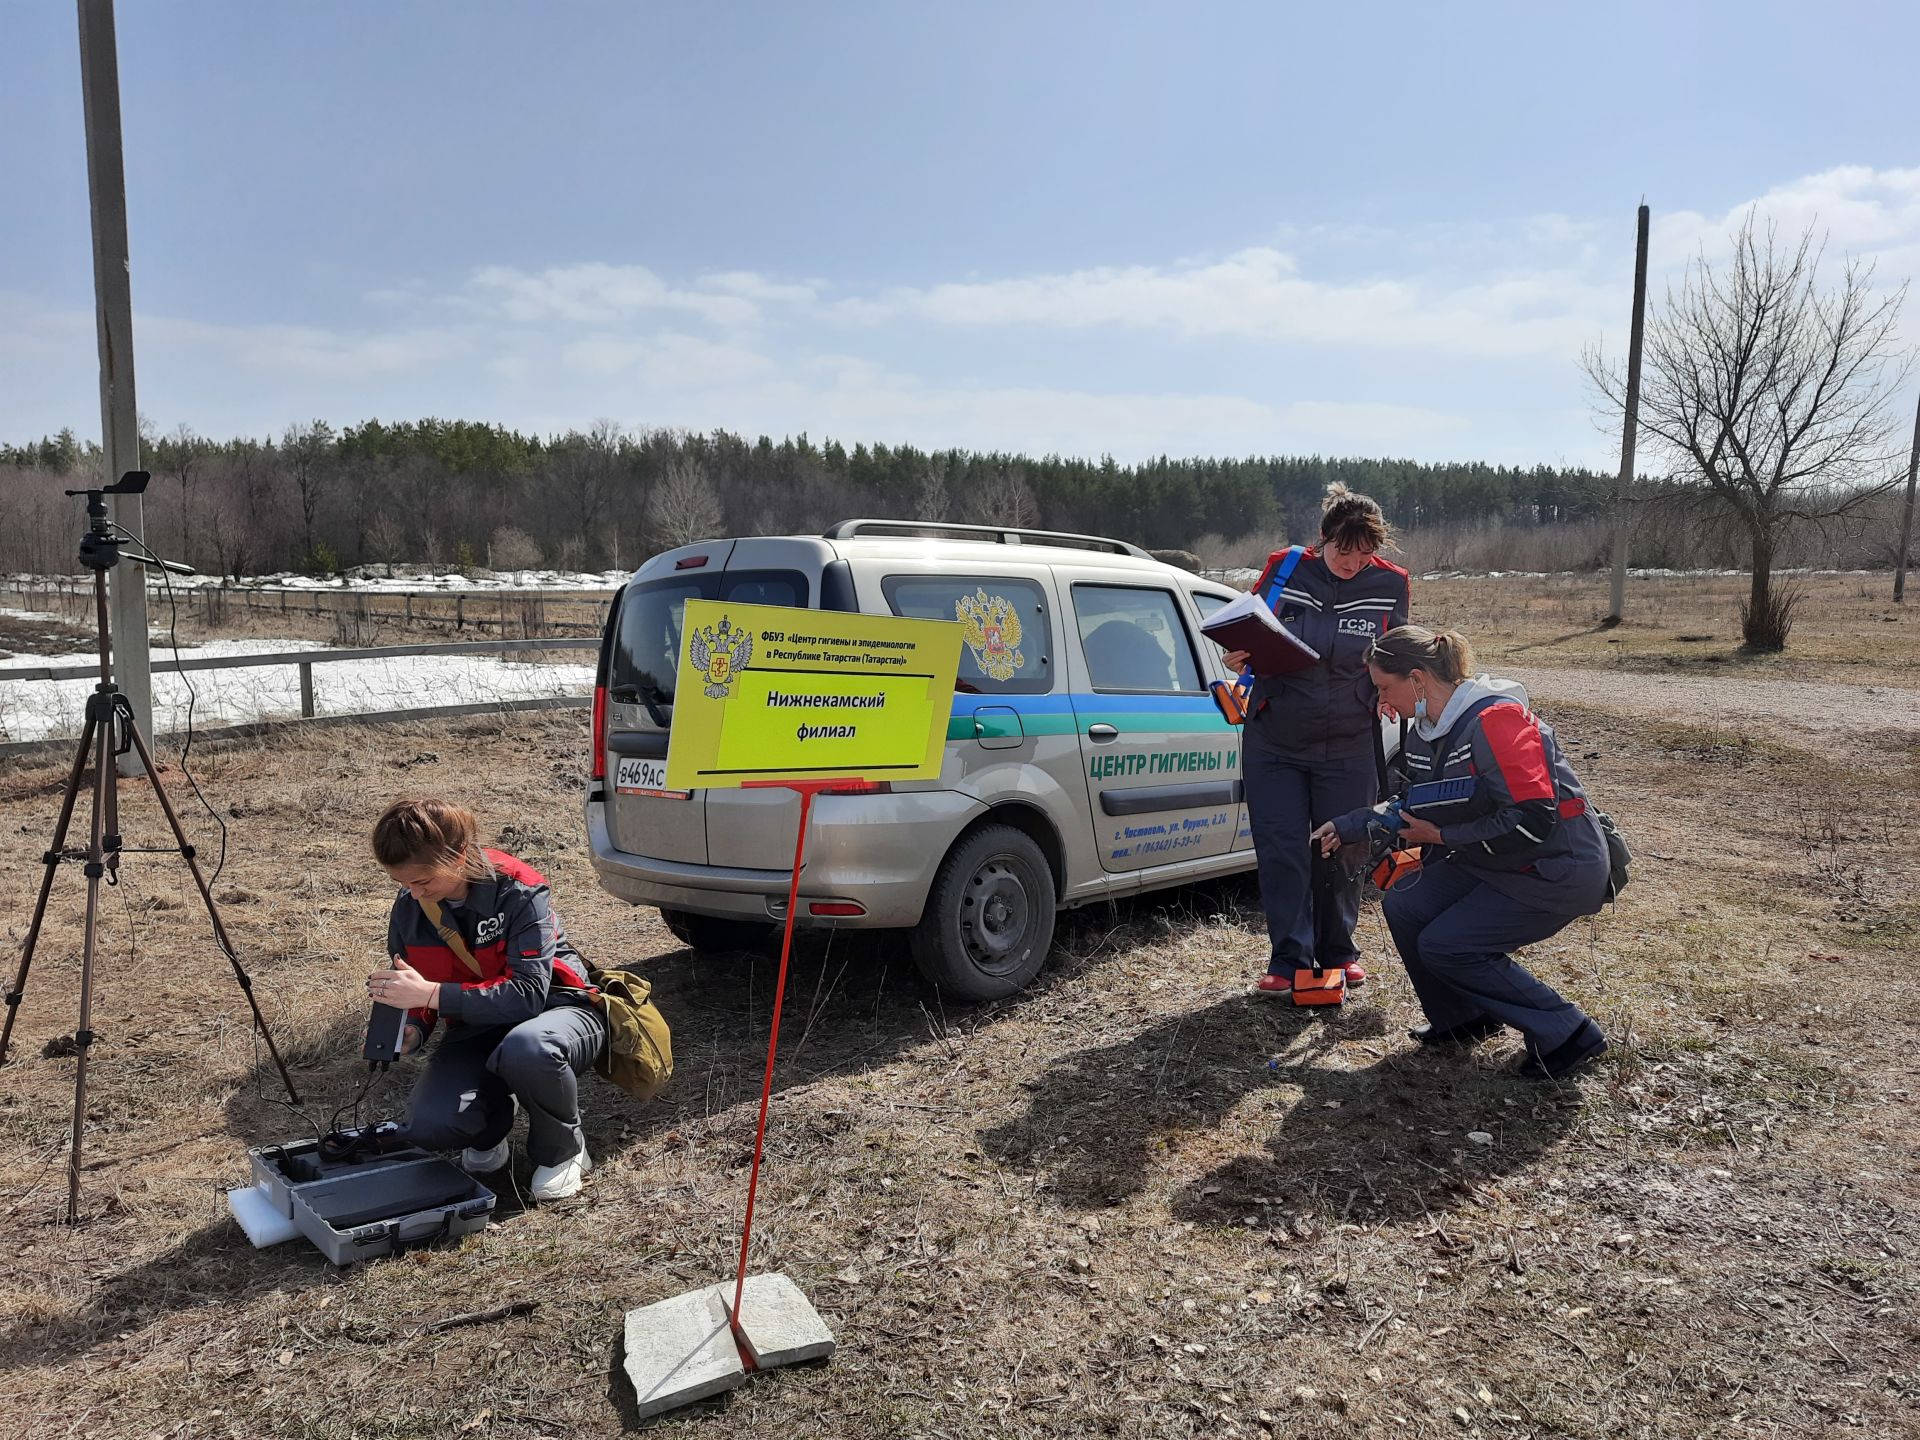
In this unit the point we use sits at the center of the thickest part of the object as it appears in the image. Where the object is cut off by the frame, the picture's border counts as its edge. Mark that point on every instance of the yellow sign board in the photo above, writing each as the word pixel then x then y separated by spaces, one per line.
pixel 768 693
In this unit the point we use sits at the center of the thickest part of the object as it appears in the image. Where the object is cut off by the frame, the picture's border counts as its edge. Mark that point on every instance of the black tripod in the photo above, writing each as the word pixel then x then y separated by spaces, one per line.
pixel 110 730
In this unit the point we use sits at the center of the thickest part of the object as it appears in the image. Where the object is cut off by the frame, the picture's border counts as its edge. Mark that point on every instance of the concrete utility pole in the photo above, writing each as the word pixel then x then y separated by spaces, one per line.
pixel 1906 519
pixel 113 308
pixel 1623 495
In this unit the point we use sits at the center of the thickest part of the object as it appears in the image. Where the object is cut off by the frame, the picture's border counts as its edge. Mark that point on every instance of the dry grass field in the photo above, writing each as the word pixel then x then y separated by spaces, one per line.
pixel 1131 1202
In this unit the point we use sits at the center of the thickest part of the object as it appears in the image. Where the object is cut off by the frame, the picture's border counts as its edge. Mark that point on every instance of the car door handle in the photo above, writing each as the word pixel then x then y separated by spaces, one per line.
pixel 1102 732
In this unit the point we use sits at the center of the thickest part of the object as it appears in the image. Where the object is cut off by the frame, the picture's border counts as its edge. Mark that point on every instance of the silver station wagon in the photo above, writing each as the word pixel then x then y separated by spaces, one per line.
pixel 1086 757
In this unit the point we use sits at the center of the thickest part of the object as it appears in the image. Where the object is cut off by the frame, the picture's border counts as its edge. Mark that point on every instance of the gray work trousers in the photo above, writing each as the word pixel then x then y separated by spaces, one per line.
pixel 1453 931
pixel 465 1099
pixel 1312 904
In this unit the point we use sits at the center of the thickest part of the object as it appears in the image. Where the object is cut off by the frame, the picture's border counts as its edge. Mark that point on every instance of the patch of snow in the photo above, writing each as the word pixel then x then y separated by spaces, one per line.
pixel 43 709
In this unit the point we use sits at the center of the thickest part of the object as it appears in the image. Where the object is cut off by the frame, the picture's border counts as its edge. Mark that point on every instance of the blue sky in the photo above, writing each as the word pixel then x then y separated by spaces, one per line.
pixel 1094 229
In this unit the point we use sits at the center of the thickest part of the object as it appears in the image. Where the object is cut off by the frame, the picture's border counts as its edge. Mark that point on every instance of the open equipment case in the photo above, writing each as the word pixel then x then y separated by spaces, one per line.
pixel 359 1207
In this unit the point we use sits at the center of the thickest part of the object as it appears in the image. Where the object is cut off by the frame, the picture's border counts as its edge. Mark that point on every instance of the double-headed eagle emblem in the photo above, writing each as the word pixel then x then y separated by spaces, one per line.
pixel 992 632
pixel 720 653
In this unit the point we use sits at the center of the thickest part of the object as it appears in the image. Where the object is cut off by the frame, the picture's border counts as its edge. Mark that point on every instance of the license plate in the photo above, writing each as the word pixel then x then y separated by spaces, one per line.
pixel 636 776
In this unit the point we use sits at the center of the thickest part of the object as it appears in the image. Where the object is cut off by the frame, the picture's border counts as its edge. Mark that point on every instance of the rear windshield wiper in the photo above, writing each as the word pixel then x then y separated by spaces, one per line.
pixel 647 695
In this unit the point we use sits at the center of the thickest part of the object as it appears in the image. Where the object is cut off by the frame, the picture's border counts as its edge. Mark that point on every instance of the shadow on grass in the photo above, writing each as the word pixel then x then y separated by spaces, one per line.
pixel 214 1266
pixel 1600 629
pixel 1384 1141
pixel 854 1002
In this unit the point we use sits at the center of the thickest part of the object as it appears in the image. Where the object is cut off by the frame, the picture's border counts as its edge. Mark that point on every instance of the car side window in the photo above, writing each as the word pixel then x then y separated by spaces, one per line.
pixel 1134 639
pixel 1007 640
pixel 1206 603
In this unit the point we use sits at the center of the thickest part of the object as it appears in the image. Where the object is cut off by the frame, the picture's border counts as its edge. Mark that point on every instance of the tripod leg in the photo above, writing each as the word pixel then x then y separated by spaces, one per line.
pixel 96 870
pixel 111 841
pixel 72 794
pixel 206 895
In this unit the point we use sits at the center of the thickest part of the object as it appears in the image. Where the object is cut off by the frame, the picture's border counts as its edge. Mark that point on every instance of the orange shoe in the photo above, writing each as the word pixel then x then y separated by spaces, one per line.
pixel 1356 975
pixel 1277 987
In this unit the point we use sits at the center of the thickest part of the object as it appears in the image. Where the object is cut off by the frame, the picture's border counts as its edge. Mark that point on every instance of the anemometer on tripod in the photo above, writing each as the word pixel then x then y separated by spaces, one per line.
pixel 110 730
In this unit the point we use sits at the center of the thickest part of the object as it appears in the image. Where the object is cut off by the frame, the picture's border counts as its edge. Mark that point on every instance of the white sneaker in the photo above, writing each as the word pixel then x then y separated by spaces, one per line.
pixel 562 1181
pixel 482 1162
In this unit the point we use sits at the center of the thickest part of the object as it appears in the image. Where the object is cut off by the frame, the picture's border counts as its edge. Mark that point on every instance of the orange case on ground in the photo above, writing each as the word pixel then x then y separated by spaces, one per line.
pixel 1328 987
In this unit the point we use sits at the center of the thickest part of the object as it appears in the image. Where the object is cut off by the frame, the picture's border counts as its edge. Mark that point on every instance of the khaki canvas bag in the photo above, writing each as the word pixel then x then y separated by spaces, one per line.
pixel 639 1052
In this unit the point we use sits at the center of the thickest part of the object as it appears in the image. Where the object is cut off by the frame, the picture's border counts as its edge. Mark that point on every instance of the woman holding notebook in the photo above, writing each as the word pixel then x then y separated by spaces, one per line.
pixel 1308 749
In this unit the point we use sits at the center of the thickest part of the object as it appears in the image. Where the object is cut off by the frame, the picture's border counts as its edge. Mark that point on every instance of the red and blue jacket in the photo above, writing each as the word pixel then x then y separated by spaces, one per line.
pixel 1527 830
pixel 508 923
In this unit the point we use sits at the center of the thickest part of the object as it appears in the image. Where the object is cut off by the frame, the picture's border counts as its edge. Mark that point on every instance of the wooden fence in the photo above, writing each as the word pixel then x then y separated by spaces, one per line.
pixel 306 660
pixel 528 613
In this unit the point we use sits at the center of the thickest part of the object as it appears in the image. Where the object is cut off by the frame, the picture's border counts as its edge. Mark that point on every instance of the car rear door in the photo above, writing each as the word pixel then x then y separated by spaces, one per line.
pixel 1162 764
pixel 644 817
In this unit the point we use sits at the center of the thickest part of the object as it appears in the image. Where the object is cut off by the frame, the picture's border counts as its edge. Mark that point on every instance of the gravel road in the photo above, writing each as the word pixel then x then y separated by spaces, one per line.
pixel 1810 709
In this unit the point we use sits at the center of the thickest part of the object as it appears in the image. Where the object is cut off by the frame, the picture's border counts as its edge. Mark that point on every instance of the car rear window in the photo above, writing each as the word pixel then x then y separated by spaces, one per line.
pixel 1007 646
pixel 1134 639
pixel 646 654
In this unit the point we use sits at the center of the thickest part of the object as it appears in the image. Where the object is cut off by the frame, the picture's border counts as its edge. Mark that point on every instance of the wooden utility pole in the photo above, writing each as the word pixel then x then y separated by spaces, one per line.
pixel 1623 494
pixel 1906 519
pixel 113 309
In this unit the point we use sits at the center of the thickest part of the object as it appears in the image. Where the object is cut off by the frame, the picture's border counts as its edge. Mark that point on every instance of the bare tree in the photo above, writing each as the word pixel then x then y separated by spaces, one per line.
pixel 178 457
pixel 930 495
pixel 386 537
pixel 1770 397
pixel 512 549
pixel 308 453
pixel 1003 498
pixel 586 470
pixel 683 507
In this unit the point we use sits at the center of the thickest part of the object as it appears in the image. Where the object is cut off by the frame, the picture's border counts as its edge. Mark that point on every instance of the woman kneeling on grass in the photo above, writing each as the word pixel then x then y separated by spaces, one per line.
pixel 1525 859
pixel 474 940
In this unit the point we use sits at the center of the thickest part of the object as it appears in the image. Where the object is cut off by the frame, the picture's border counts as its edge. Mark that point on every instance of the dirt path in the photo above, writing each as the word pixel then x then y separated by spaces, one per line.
pixel 1797 707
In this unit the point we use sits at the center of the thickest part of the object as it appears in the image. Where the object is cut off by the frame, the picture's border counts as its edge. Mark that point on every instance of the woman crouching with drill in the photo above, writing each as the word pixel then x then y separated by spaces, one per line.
pixel 474 941
pixel 1517 862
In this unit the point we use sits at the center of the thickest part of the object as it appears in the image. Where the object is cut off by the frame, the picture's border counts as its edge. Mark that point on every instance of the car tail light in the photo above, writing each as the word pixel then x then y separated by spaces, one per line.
pixel 599 732
pixel 860 787
pixel 690 562
pixel 835 907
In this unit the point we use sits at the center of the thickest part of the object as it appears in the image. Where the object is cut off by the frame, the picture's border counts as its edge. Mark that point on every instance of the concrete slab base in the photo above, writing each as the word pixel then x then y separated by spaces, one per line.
pixel 681 1350
pixel 777 1323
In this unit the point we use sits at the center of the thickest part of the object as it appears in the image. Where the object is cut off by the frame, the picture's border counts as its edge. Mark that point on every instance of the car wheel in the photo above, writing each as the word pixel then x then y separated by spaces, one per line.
pixel 989 919
pixel 712 935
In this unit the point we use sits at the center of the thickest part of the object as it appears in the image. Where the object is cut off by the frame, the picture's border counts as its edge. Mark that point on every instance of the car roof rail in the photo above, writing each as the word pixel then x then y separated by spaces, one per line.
pixel 986 534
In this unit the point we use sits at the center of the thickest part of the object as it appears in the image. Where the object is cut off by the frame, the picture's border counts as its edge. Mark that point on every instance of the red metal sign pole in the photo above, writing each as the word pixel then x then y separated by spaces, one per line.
pixel 806 790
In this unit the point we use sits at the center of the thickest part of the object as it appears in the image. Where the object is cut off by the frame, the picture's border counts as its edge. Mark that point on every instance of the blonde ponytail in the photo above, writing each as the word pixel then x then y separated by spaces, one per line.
pixel 1444 654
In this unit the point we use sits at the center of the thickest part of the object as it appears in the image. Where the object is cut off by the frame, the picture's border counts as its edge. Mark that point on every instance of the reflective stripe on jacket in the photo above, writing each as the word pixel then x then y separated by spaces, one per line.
pixel 1527 830
pixel 1328 710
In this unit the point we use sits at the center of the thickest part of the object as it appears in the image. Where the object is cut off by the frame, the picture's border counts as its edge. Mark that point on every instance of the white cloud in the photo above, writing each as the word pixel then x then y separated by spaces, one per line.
pixel 304 349
pixel 595 294
pixel 751 286
pixel 1860 210
pixel 603 354
pixel 861 401
pixel 688 360
pixel 667 358
pixel 1261 294
pixel 753 350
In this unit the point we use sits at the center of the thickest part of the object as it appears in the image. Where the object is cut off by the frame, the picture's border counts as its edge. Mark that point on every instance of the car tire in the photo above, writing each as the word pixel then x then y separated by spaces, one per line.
pixel 989 919
pixel 712 935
